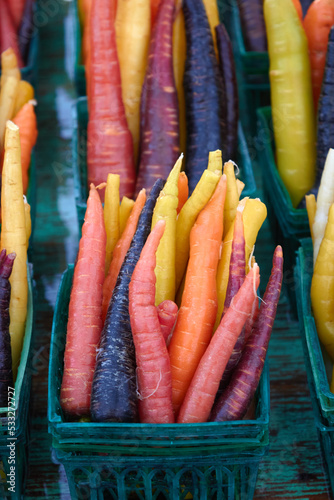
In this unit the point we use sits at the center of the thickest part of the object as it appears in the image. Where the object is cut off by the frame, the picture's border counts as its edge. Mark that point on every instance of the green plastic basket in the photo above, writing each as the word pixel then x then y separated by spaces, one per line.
pixel 314 357
pixel 117 458
pixel 288 224
pixel 79 154
pixel 79 68
pixel 22 398
pixel 252 70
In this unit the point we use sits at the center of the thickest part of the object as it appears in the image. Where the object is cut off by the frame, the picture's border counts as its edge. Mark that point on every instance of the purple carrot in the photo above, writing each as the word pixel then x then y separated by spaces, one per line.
pixel 2 258
pixel 27 30
pixel 233 403
pixel 6 374
pixel 228 71
pixel 159 141
pixel 253 26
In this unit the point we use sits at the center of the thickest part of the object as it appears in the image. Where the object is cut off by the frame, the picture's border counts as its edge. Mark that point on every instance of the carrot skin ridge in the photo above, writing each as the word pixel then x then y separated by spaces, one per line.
pixel 114 397
pixel 109 140
pixel 235 400
pixel 153 365
pixel 159 141
pixel 6 373
pixel 204 93
pixel 85 312
pixel 227 68
pixel 202 391
pixel 167 314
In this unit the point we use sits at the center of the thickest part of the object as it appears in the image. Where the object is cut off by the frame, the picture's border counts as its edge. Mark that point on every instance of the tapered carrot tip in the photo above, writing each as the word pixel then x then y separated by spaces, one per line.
pixel 11 125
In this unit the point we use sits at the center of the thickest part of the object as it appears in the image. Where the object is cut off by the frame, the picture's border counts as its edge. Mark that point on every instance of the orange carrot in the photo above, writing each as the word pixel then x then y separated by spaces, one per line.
pixel 109 140
pixel 196 316
pixel 202 391
pixel 299 9
pixel 120 250
pixel 317 24
pixel 183 190
pixel 85 312
pixel 153 365
pixel 27 123
pixel 167 313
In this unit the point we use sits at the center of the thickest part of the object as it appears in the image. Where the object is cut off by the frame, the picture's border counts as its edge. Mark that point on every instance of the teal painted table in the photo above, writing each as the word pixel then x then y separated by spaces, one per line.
pixel 293 469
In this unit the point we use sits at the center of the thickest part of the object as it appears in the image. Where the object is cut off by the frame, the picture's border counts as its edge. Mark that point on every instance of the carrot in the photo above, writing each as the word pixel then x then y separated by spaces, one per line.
pixel 253 27
pixel 8 31
pixel 16 8
pixel 183 190
pixel 7 103
pixel 299 9
pixel 27 123
pixel 198 309
pixel 165 209
pixel 114 395
pixel 27 220
pixel 9 66
pixel 85 13
pixel 179 59
pixel 120 250
pixel 14 237
pixel 311 207
pixel 240 186
pixel 232 197
pixel 200 396
pixel 25 93
pixel 109 141
pixel 211 9
pixel 125 210
pixel 167 314
pixel 317 24
pixel 27 30
pixel 215 162
pixel 153 365
pixel 85 312
pixel 159 144
pixel 235 400
pixel 6 372
pixel 133 30
pixel 154 10
pixel 111 216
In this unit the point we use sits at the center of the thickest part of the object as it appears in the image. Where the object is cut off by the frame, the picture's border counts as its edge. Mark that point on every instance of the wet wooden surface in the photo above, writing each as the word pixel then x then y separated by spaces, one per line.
pixel 293 468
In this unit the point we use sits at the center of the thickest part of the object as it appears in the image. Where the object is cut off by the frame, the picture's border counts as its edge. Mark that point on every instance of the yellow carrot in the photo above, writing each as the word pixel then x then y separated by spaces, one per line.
pixel 111 216
pixel 9 66
pixel 14 237
pixel 232 197
pixel 240 186
pixel 133 29
pixel 7 104
pixel 253 217
pixel 322 287
pixel 179 59
pixel 25 93
pixel 311 207
pixel 27 220
pixel 165 209
pixel 211 8
pixel 187 217
pixel 125 210
pixel 215 161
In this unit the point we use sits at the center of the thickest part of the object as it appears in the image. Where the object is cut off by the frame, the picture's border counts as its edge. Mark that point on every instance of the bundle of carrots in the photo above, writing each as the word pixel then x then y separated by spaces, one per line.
pixel 17 104
pixel 164 321
pixel 16 27
pixel 166 84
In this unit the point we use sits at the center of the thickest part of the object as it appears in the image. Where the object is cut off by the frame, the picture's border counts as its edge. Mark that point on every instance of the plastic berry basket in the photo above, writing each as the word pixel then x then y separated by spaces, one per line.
pixel 21 409
pixel 79 158
pixel 115 459
pixel 288 224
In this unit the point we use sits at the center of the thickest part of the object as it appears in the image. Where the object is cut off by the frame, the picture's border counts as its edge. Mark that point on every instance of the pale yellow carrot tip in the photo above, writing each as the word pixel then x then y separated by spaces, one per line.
pixel 11 125
pixel 100 186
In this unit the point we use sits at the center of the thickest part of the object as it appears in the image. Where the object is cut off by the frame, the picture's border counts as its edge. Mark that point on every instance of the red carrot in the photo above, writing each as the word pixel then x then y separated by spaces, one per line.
pixel 119 253
pixel 200 396
pixel 154 10
pixel 153 365
pixel 196 317
pixel 16 8
pixel 167 314
pixel 233 403
pixel 183 190
pixel 85 312
pixel 27 123
pixel 159 145
pixel 8 32
pixel 317 24
pixel 109 141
